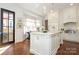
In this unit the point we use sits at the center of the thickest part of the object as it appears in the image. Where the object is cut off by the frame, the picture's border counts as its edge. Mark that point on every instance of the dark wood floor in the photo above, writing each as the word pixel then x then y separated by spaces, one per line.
pixel 22 48
pixel 69 48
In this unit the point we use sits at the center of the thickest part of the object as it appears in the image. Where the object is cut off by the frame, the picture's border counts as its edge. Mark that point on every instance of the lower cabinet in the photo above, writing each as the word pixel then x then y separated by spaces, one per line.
pixel 43 44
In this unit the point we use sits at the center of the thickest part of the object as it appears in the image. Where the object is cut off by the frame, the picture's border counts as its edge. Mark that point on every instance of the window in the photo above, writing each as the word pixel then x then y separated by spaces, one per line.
pixel 37 23
pixel 31 25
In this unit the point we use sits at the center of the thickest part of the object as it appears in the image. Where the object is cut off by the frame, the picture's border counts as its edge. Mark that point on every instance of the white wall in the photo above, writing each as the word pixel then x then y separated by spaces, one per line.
pixel 19 14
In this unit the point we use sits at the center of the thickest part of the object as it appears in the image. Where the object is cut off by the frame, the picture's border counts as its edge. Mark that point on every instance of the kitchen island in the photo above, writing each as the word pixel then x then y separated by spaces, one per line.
pixel 44 43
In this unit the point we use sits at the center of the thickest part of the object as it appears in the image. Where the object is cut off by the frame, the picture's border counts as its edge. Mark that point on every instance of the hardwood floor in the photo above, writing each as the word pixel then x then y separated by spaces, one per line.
pixel 69 48
pixel 22 48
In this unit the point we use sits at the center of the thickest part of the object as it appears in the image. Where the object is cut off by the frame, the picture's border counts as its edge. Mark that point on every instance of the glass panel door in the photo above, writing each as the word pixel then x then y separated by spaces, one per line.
pixel 5 27
pixel 8 27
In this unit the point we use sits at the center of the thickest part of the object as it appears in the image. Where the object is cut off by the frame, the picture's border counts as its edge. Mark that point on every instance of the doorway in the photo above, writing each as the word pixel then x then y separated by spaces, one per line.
pixel 7 29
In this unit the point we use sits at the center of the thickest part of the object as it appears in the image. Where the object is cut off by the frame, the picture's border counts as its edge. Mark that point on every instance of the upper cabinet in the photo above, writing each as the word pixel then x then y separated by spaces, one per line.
pixel 53 21
pixel 69 14
pixel 77 12
pixel 53 17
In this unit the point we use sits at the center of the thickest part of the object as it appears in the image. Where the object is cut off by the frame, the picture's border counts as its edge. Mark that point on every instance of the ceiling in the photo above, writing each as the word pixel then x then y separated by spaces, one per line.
pixel 43 8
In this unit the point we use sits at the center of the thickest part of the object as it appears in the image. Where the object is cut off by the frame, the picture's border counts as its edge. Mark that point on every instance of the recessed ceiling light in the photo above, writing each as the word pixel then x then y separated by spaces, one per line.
pixel 71 4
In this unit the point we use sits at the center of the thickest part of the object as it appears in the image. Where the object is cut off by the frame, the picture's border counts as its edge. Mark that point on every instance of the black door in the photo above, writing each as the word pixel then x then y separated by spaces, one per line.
pixel 7 26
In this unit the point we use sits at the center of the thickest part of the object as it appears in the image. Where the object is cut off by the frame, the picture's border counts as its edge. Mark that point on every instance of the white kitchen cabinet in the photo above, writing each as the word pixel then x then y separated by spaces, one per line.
pixel 53 27
pixel 53 19
pixel 69 14
pixel 44 43
pixel 77 15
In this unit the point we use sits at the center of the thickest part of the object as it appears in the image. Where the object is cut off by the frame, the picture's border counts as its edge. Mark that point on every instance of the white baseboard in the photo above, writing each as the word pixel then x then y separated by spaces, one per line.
pixel 16 41
pixel 37 53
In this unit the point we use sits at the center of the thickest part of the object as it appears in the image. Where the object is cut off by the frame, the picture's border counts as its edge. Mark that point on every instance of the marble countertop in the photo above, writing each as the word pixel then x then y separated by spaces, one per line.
pixel 48 33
